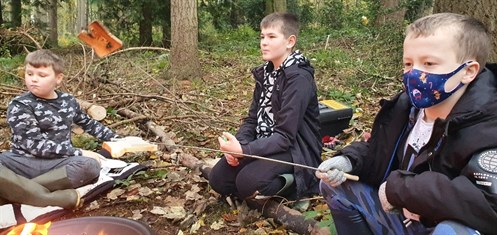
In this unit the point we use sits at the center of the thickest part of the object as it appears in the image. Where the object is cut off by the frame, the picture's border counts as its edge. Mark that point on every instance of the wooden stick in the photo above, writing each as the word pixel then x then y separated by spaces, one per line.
pixel 348 176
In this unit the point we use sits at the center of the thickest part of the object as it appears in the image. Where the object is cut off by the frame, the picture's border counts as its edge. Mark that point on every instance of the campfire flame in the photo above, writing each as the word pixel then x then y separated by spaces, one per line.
pixel 30 229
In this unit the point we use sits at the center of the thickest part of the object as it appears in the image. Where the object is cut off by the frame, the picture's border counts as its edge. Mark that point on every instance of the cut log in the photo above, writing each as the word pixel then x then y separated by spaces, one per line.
pixel 95 111
pixel 290 218
pixel 77 130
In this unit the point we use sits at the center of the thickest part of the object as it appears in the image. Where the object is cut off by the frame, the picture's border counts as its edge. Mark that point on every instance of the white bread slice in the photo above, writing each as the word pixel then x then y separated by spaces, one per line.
pixel 130 144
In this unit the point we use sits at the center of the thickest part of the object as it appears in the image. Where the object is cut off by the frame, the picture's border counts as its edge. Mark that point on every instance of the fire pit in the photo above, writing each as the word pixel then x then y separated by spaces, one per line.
pixel 94 225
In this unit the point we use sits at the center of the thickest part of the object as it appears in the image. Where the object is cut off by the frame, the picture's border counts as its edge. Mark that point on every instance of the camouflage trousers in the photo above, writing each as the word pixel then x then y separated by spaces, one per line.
pixel 353 203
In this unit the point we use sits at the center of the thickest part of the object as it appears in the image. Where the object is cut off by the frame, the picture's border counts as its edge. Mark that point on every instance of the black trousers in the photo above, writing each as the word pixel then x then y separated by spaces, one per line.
pixel 250 175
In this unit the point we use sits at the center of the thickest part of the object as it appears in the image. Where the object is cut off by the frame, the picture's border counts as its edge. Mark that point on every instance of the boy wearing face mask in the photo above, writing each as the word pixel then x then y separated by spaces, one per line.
pixel 419 170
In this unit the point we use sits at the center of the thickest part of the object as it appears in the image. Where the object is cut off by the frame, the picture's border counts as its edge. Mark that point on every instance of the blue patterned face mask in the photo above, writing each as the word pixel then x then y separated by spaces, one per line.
pixel 427 89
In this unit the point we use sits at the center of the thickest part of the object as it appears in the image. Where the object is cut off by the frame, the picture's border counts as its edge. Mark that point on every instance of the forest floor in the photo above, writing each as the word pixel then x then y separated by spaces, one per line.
pixel 169 197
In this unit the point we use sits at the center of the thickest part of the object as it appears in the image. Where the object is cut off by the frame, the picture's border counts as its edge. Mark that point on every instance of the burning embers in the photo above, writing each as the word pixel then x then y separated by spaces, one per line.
pixel 92 225
pixel 30 229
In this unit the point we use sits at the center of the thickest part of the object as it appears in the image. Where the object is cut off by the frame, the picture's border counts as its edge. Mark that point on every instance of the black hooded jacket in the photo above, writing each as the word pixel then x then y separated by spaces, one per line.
pixel 435 186
pixel 295 109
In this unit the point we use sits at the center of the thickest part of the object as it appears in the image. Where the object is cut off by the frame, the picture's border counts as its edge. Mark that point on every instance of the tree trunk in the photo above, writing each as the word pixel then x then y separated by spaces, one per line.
pixel 391 12
pixel 52 18
pixel 483 10
pixel 269 7
pixel 418 9
pixel 235 19
pixel 82 15
pixel 146 24
pixel 1 16
pixel 293 7
pixel 279 5
pixel 166 24
pixel 16 8
pixel 185 63
pixel 275 6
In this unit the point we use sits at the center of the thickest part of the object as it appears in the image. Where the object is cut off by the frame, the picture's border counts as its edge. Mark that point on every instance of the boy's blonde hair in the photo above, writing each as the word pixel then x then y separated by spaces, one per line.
pixel 45 58
pixel 471 36
pixel 289 23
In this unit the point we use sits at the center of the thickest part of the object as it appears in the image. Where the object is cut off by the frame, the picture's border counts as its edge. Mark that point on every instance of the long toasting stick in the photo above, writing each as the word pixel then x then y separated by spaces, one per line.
pixel 118 147
pixel 348 176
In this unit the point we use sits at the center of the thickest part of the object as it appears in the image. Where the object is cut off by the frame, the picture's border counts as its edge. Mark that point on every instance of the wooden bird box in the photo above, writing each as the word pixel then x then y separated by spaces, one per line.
pixel 100 39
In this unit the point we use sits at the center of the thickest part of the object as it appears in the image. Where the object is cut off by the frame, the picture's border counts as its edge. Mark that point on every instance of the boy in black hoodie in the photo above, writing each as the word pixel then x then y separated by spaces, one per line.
pixel 282 122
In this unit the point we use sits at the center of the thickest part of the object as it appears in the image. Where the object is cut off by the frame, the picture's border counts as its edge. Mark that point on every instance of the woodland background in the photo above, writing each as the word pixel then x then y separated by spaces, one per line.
pixel 185 70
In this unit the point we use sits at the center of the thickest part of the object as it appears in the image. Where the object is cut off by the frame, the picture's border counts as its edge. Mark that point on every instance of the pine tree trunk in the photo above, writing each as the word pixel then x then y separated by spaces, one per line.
pixel 82 15
pixel 483 10
pixel 235 19
pixel 279 5
pixel 52 18
pixel 185 63
pixel 166 24
pixel 275 6
pixel 146 24
pixel 269 7
pixel 16 8
pixel 1 16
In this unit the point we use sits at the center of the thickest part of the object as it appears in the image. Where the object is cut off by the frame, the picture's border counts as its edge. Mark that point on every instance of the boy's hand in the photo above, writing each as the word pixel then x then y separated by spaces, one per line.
pixel 232 161
pixel 410 215
pixel 229 143
pixel 332 171
pixel 387 207
pixel 91 154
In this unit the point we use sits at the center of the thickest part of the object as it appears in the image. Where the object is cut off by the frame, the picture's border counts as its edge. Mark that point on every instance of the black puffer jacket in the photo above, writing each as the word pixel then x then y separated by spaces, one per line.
pixel 296 112
pixel 435 187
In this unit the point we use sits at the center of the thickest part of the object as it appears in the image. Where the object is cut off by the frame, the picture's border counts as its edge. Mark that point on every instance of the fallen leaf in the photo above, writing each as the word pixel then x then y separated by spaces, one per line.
pixel 175 212
pixel 115 193
pixel 145 191
pixel 137 214
pixel 174 201
pixel 230 217
pixel 196 226
pixel 217 225
pixel 157 210
pixel 132 198
pixel 93 206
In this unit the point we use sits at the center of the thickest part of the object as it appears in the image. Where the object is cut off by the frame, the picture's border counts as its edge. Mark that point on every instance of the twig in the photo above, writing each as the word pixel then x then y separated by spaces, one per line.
pixel 138 48
pixel 38 46
pixel 9 93
pixel 13 74
pixel 134 119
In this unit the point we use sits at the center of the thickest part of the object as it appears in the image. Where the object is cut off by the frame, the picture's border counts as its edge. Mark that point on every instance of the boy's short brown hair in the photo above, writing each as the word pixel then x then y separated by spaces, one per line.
pixel 289 23
pixel 45 58
pixel 471 35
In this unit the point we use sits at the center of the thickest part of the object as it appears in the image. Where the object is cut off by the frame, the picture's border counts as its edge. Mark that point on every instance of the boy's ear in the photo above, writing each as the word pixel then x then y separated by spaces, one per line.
pixel 292 40
pixel 59 78
pixel 471 72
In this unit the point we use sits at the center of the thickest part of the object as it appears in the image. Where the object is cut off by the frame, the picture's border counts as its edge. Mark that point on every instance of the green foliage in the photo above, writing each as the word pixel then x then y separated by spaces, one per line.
pixel 342 96
pixel 68 40
pixel 9 66
pixel 131 178
pixel 85 141
pixel 337 14
pixel 243 40
pixel 324 216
